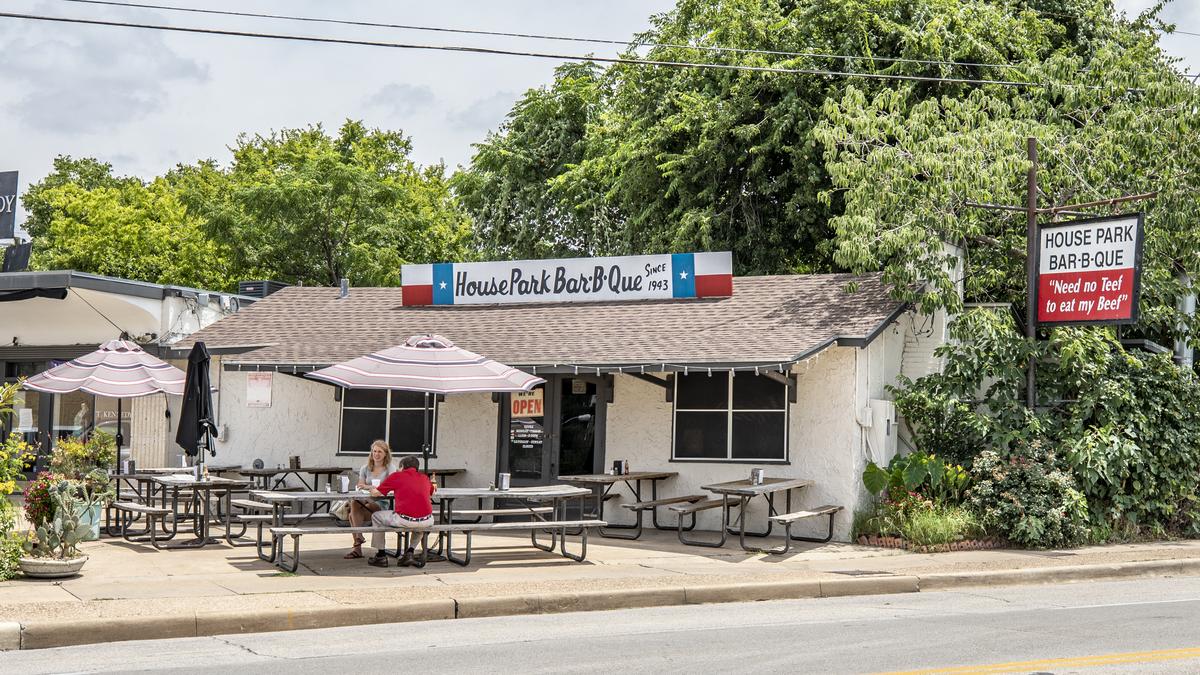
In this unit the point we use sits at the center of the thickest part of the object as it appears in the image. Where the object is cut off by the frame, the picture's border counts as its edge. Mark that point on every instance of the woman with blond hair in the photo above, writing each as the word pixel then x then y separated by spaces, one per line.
pixel 379 465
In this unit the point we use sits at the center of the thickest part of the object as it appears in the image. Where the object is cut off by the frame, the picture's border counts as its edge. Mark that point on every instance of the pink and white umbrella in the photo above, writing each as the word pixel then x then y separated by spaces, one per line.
pixel 430 364
pixel 119 369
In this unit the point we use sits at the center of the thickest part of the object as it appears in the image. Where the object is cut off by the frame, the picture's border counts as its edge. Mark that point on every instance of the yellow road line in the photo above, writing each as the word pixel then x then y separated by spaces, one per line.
pixel 1073 661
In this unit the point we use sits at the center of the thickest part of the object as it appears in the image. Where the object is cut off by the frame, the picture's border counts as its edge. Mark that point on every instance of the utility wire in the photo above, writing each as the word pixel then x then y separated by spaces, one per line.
pixel 535 36
pixel 561 38
pixel 507 52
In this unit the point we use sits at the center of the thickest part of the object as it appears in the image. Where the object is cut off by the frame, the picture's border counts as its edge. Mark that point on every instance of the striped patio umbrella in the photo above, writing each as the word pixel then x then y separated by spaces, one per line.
pixel 120 369
pixel 430 364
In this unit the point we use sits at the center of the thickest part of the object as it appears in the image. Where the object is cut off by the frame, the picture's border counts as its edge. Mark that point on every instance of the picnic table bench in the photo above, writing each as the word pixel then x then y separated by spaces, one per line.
pixel 605 483
pixel 557 528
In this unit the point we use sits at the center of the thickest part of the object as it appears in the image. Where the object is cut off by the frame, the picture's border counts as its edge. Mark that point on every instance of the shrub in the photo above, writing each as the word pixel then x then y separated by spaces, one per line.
pixel 39 506
pixel 1026 498
pixel 920 473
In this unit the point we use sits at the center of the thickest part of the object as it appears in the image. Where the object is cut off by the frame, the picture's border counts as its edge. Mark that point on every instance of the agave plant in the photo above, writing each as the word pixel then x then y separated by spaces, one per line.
pixel 59 536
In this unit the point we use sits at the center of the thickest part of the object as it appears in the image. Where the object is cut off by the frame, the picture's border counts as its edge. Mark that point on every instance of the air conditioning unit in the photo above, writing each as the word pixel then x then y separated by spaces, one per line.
pixel 229 304
pixel 259 289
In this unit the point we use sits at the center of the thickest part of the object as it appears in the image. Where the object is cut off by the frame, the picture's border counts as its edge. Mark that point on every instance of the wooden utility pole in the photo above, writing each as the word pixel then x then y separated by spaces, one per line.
pixel 1031 247
pixel 1031 272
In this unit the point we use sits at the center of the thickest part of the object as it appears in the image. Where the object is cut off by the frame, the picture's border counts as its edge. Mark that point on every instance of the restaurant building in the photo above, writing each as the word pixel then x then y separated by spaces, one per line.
pixel 785 373
pixel 53 316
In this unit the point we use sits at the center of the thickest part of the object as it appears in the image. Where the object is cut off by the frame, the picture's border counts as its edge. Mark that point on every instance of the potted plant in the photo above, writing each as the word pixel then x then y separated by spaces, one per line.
pixel 52 550
pixel 86 463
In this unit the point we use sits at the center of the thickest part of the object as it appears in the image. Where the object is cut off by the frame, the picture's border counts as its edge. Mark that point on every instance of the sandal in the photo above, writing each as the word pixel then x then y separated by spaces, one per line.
pixel 354 553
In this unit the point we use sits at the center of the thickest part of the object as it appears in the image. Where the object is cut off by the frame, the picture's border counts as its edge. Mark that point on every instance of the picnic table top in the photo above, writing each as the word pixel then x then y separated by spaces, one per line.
pixel 517 492
pixel 745 487
pixel 445 493
pixel 606 478
pixel 183 469
pixel 305 495
pixel 432 471
pixel 184 479
pixel 272 471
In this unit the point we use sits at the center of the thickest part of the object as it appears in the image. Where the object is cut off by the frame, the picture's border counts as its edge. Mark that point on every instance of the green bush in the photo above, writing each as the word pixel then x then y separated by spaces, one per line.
pixel 920 473
pixel 920 523
pixel 1027 499
pixel 942 525
pixel 1124 427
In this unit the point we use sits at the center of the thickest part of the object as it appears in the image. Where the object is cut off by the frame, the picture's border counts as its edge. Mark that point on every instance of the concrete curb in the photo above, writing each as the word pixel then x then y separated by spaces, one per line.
pixel 1046 575
pixel 60 633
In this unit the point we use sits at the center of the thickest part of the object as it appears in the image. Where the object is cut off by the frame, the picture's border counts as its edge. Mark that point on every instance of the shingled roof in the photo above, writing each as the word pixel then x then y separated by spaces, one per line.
pixel 769 320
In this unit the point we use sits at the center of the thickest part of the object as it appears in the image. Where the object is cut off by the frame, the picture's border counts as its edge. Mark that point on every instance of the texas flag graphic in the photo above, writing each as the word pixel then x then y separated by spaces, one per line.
pixel 638 277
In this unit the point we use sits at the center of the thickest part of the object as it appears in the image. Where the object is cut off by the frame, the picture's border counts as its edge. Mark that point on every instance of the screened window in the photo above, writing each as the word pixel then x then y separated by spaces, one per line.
pixel 722 417
pixel 394 416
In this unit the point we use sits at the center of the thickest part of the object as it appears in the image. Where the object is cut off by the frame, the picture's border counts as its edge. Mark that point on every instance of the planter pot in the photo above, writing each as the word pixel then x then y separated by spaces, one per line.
pixel 51 568
pixel 90 517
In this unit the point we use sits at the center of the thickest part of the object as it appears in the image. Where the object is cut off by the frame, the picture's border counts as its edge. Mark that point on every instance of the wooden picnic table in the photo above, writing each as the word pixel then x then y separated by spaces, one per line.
pixel 744 490
pixel 265 475
pixel 604 484
pixel 200 506
pixel 434 474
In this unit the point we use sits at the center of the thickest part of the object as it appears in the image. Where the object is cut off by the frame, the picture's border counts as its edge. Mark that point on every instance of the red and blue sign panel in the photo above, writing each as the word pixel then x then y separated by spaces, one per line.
pixel 638 277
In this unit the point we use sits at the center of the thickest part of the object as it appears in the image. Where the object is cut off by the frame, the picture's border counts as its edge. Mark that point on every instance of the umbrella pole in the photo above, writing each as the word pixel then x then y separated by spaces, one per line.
pixel 425 423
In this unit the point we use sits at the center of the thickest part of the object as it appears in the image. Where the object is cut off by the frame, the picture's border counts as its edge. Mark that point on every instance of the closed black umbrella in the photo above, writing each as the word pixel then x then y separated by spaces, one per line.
pixel 196 426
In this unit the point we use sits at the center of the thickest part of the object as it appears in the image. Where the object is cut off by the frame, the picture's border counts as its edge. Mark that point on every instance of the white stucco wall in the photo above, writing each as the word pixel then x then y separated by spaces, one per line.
pixel 822 441
pixel 302 420
pixel 825 438
pixel 467 438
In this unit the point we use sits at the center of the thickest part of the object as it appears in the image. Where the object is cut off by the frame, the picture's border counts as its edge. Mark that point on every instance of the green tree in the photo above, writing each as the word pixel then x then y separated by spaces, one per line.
pixel 1118 119
pixel 120 227
pixel 300 206
pixel 674 159
pixel 508 190
pixel 86 173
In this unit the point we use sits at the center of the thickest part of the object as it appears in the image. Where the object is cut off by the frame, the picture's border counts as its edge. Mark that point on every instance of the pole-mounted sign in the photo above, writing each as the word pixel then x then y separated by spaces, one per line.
pixel 1089 271
pixel 8 204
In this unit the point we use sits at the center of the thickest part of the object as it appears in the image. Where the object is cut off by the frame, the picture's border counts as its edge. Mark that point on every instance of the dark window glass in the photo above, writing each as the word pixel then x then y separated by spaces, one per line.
pixel 364 398
pixel 409 399
pixel 526 445
pixel 701 435
pixel 759 435
pixel 758 392
pixel 406 434
pixel 360 428
pixel 701 392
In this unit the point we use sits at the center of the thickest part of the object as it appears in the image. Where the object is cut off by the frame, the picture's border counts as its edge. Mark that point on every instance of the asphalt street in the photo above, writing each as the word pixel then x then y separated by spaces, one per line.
pixel 1138 626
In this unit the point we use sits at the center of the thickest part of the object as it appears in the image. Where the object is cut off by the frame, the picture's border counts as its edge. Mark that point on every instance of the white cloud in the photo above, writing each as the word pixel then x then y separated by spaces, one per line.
pixel 484 114
pixel 402 99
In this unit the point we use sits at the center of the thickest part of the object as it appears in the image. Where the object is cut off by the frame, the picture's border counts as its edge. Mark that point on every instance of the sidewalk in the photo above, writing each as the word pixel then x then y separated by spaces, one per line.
pixel 130 591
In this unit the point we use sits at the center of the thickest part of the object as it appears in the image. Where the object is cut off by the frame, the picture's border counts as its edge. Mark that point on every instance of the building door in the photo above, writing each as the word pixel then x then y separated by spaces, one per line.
pixel 557 429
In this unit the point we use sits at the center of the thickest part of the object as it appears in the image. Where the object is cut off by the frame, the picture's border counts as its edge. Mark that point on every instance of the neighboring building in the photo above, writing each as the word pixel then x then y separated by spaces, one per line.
pixel 789 373
pixel 49 317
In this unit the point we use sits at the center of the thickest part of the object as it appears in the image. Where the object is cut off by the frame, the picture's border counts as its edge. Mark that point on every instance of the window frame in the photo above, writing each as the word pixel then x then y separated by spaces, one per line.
pixel 729 411
pixel 387 423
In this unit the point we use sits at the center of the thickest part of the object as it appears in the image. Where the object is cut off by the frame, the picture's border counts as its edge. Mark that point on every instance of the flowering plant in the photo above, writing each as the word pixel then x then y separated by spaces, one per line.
pixel 39 506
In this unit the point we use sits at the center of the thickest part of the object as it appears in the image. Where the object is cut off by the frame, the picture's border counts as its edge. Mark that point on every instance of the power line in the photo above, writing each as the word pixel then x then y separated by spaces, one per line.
pixel 508 52
pixel 536 36
pixel 561 38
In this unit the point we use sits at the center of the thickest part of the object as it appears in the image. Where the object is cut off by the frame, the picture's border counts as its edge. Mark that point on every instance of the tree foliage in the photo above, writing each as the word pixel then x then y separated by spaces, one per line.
pixel 84 218
pixel 300 206
pixel 297 206
pixel 641 159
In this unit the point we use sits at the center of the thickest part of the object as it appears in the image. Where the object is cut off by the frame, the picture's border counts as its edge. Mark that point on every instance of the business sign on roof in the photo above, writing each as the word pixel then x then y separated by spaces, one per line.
pixel 636 277
pixel 8 204
pixel 1089 271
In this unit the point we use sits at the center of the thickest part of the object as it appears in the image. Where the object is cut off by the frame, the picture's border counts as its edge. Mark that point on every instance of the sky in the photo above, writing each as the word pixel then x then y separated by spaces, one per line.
pixel 145 101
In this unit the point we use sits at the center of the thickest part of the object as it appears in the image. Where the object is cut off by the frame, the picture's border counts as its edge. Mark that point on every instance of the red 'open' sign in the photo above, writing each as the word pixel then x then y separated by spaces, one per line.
pixel 527 403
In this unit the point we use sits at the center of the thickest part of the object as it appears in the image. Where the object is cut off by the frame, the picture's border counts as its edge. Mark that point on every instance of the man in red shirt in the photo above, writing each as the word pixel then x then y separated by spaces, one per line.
pixel 411 492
